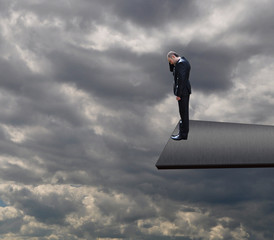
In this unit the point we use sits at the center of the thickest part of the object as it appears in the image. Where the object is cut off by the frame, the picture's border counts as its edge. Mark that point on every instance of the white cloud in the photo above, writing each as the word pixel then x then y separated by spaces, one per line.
pixel 252 89
pixel 9 213
pixel 194 225
pixel 135 39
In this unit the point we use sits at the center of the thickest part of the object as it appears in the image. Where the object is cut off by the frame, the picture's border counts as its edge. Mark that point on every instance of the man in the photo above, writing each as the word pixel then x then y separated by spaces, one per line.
pixel 182 90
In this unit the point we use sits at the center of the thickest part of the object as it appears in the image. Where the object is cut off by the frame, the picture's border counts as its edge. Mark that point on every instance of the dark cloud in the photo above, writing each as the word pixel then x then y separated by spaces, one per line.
pixel 117 75
pixel 11 225
pixel 51 208
pixel 85 113
pixel 215 64
pixel 151 14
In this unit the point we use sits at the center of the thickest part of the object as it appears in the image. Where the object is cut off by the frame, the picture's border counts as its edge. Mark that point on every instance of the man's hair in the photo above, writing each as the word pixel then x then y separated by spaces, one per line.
pixel 171 53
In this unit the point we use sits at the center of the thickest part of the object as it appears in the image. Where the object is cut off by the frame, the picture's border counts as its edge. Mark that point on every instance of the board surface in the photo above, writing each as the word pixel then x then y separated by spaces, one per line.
pixel 220 145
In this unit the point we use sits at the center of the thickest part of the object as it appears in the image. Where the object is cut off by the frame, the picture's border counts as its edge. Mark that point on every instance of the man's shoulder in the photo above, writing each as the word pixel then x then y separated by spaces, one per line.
pixel 183 62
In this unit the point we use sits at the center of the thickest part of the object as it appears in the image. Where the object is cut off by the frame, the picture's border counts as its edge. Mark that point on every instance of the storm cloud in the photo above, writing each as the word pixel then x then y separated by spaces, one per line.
pixel 87 107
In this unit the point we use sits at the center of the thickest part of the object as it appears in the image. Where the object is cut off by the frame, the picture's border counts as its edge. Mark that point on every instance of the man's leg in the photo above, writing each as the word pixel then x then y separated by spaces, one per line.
pixel 184 113
pixel 184 122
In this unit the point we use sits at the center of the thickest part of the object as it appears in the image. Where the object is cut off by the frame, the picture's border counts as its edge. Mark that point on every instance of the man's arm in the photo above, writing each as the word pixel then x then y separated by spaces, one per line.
pixel 182 75
pixel 171 67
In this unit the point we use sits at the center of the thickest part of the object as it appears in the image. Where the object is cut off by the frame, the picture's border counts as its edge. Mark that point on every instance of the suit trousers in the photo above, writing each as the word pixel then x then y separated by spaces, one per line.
pixel 184 113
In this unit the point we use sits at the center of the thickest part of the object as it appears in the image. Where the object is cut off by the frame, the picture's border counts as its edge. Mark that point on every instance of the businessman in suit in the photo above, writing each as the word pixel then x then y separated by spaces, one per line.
pixel 182 90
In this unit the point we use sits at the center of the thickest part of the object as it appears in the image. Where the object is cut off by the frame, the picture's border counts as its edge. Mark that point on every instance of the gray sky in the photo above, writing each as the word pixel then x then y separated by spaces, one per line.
pixel 87 107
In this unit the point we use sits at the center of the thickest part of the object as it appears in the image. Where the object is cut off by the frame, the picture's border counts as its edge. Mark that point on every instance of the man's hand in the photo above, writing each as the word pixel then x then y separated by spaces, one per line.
pixel 178 98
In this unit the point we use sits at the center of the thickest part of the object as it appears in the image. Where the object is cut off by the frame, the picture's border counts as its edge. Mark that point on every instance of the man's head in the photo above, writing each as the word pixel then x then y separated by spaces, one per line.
pixel 172 57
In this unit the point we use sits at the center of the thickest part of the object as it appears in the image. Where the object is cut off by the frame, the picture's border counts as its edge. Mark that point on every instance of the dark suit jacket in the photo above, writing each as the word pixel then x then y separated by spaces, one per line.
pixel 181 73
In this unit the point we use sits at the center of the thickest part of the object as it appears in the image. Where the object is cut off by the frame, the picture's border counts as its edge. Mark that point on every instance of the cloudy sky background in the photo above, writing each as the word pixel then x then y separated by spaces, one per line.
pixel 87 107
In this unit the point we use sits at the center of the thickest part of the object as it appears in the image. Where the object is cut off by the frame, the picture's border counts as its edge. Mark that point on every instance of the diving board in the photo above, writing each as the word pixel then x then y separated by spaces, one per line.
pixel 220 145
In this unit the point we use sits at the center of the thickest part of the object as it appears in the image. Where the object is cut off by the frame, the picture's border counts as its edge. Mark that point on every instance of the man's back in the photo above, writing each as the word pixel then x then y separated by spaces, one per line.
pixel 182 85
